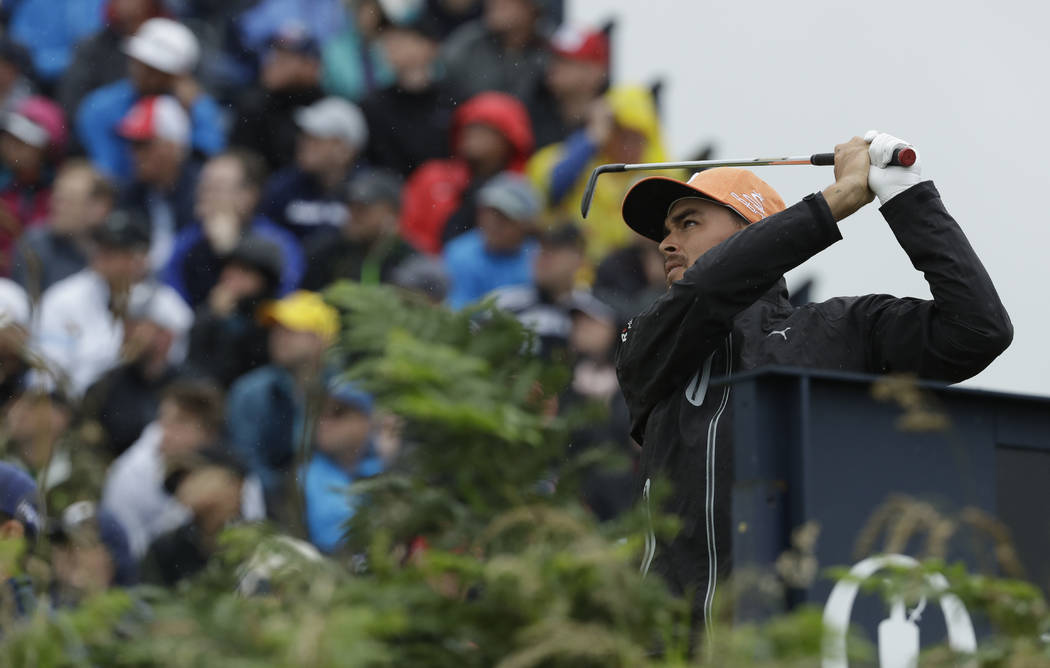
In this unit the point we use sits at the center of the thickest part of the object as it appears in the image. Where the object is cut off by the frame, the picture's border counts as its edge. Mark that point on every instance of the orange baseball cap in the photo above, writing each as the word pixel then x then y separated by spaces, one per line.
pixel 647 203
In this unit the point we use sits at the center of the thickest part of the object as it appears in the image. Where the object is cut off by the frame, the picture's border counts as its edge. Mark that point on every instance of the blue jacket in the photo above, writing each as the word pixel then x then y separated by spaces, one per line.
pixel 50 29
pixel 264 415
pixel 474 272
pixel 328 505
pixel 102 110
pixel 175 274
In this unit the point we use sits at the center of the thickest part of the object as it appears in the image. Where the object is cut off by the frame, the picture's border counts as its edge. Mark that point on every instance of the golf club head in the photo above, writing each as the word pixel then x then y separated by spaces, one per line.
pixel 588 192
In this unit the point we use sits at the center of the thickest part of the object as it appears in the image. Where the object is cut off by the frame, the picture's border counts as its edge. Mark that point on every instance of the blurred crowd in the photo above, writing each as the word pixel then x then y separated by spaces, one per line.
pixel 180 179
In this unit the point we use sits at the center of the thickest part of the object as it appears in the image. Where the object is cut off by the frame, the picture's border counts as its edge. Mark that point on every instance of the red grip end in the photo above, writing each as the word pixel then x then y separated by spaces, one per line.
pixel 906 157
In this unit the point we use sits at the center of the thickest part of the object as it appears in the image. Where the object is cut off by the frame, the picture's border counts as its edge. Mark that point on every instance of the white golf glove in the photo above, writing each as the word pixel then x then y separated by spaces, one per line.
pixel 888 182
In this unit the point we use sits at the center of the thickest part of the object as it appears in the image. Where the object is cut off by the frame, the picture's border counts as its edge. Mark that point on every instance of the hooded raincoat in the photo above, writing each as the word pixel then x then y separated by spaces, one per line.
pixel 559 173
pixel 435 190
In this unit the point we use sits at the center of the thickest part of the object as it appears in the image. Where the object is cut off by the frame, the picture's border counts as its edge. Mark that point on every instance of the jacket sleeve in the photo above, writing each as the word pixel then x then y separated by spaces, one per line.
pixel 664 345
pixel 209 135
pixel 576 155
pixel 963 328
pixel 96 121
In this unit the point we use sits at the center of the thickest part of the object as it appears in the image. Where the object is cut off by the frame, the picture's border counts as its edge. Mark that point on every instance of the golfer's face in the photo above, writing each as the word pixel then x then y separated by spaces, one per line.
pixel 693 227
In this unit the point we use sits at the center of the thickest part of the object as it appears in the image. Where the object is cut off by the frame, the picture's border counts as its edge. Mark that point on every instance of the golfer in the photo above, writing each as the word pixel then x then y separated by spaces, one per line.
pixel 727 240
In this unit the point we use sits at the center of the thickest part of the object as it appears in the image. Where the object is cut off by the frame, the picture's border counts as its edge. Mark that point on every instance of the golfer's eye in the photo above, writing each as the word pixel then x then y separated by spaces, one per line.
pixel 686 224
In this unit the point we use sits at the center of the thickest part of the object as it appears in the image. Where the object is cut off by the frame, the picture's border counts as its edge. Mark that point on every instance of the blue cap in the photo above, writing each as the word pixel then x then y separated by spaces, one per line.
pixel 296 38
pixel 350 394
pixel 110 531
pixel 18 496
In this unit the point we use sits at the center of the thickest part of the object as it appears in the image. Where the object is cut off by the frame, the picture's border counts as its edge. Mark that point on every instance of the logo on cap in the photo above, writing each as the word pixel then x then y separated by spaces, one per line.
pixel 754 202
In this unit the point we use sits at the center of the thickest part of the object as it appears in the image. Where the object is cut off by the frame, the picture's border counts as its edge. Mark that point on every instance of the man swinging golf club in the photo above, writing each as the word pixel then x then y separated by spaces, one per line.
pixel 728 240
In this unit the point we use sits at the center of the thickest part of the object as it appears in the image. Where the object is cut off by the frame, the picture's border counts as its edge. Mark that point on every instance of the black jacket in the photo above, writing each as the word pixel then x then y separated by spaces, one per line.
pixel 265 122
pixel 730 313
pixel 405 129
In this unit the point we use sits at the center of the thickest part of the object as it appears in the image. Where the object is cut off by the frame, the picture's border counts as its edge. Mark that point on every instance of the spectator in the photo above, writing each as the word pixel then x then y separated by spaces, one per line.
pixel 100 59
pixel 81 199
pixel 544 305
pixel 124 400
pixel 368 247
pixel 354 64
pixel 343 453
pixel 500 251
pixel 14 333
pixel 266 410
pixel 290 78
pixel 161 58
pixel 451 14
pixel 19 522
pixel 321 19
pixel 15 71
pixel 606 490
pixel 408 120
pixel 490 133
pixel 190 420
pixel 209 484
pixel 165 174
pixel 308 196
pixel 50 29
pixel 31 144
pixel 576 77
pixel 227 197
pixel 80 328
pixel 503 51
pixel 227 340
pixel 629 279
pixel 38 440
pixel 623 129
pixel 424 275
pixel 89 553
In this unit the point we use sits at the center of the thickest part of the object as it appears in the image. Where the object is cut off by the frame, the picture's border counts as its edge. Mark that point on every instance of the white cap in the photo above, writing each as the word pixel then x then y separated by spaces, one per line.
pixel 164 45
pixel 158 117
pixel 26 130
pixel 335 118
pixel 14 304
pixel 160 304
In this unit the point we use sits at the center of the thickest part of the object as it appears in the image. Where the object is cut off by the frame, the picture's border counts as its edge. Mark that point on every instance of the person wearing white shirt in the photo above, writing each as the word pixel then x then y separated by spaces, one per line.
pixel 191 419
pixel 80 325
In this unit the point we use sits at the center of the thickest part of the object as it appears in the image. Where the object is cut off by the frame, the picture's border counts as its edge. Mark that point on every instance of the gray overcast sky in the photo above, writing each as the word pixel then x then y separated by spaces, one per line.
pixel 964 81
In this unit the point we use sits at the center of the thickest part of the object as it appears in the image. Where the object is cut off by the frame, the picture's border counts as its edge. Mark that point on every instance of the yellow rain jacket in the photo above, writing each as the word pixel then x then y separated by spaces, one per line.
pixel 633 107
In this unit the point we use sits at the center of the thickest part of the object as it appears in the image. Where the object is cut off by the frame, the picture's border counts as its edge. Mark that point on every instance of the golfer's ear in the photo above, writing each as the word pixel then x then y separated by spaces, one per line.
pixel 12 529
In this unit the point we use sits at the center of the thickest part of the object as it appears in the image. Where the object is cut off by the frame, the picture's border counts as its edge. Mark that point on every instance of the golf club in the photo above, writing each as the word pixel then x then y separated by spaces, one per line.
pixel 902 157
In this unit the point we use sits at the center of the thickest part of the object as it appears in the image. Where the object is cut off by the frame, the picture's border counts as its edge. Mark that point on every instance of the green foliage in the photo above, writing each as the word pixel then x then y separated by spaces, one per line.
pixel 515 573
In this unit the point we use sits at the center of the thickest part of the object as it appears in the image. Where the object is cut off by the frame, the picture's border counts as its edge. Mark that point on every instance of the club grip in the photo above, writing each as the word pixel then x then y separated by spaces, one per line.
pixel 903 156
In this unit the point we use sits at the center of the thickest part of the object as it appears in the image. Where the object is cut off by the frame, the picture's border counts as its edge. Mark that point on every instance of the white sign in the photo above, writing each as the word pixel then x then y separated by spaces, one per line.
pixel 898 635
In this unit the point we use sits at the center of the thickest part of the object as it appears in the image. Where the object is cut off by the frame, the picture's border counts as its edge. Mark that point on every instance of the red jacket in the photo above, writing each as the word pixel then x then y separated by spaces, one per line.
pixel 434 191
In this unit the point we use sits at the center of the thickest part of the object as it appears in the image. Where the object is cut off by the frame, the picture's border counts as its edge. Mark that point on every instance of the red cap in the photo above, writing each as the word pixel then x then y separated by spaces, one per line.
pixel 581 44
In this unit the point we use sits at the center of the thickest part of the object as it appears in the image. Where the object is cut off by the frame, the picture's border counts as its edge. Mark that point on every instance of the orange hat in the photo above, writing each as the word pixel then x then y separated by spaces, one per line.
pixel 647 204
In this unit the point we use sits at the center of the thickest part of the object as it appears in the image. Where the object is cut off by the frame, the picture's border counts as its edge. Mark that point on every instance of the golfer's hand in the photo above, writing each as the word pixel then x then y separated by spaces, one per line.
pixel 850 190
pixel 886 181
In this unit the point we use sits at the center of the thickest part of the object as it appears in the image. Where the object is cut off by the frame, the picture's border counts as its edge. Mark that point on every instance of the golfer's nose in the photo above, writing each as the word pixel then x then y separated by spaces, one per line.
pixel 669 245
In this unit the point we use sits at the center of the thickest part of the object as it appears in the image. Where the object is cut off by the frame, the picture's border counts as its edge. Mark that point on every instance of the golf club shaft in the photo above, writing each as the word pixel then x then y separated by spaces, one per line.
pixel 902 156
pixel 815 159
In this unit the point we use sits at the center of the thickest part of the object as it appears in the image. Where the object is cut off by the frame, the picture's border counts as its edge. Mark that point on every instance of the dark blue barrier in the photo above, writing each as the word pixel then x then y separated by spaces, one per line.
pixel 816 446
